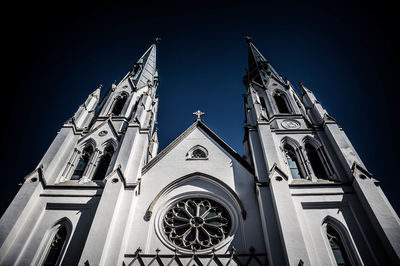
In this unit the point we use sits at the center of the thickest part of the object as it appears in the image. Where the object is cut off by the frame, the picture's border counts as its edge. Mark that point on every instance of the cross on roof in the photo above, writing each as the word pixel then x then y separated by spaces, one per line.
pixel 198 113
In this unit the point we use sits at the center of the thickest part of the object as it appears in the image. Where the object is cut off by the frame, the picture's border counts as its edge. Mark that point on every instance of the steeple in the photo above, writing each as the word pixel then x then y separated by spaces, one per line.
pixel 144 71
pixel 259 69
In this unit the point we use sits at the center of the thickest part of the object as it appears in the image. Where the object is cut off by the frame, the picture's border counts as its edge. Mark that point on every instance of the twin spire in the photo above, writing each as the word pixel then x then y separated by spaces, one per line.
pixel 144 71
pixel 259 69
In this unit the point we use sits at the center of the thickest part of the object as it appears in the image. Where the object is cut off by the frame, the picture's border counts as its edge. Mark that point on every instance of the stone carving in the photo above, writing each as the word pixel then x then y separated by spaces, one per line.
pixel 103 133
pixel 290 124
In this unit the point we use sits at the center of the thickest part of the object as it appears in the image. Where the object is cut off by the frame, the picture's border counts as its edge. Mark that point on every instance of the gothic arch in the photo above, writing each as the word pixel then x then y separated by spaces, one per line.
pixel 345 238
pixel 281 102
pixel 197 152
pixel 104 160
pixel 82 158
pixel 175 193
pixel 110 141
pixel 317 157
pixel 312 141
pixel 292 142
pixel 45 248
pixel 294 157
pixel 173 184
pixel 87 143
pixel 119 103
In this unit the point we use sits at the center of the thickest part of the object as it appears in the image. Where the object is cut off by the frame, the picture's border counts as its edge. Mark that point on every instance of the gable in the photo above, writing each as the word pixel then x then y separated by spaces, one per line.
pixel 198 134
pixel 101 133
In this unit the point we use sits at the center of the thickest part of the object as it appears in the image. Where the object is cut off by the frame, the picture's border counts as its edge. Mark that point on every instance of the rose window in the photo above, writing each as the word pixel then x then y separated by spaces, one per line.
pixel 197 223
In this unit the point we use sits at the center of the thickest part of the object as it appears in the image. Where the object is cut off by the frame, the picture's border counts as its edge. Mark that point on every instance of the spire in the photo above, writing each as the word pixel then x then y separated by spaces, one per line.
pixel 259 69
pixel 145 68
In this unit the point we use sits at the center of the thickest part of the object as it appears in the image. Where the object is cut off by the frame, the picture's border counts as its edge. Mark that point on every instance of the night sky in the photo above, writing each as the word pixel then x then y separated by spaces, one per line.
pixel 54 56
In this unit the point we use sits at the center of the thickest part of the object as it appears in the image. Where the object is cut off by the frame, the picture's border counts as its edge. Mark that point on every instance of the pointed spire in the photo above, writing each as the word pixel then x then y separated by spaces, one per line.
pixel 144 69
pixel 96 93
pixel 304 90
pixel 154 138
pixel 259 69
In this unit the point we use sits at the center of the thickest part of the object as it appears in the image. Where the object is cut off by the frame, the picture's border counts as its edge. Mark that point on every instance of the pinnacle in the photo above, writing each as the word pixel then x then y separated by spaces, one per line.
pixel 96 93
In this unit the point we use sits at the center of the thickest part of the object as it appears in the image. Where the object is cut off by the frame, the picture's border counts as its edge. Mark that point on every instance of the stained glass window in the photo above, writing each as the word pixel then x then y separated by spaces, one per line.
pixel 197 223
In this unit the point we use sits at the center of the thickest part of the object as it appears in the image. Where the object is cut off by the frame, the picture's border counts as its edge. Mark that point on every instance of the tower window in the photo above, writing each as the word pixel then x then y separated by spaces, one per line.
pixel 281 103
pixel 338 249
pixel 56 247
pixel 104 162
pixel 292 161
pixel 263 105
pixel 315 161
pixel 82 163
pixel 119 104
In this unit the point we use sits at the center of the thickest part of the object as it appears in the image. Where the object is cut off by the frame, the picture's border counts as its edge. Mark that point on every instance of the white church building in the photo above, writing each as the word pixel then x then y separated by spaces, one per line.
pixel 103 195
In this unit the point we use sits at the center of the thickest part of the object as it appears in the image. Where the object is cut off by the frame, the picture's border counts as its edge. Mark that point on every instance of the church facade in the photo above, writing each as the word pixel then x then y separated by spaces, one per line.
pixel 103 195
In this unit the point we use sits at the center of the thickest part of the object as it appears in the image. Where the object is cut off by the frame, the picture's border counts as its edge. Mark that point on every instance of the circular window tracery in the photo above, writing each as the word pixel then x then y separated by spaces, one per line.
pixel 196 223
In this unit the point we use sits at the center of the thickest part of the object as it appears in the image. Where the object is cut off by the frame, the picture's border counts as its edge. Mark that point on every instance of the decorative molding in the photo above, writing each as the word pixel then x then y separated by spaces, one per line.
pixel 324 204
pixel 123 179
pixel 290 124
pixel 67 206
pixel 149 211
pixel 278 171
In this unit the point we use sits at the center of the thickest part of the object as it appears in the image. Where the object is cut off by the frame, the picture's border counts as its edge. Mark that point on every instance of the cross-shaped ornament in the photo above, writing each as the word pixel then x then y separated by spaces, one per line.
pixel 198 113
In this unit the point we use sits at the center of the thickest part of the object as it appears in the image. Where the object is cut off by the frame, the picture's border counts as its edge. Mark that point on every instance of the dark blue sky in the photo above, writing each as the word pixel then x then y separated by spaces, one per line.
pixel 55 56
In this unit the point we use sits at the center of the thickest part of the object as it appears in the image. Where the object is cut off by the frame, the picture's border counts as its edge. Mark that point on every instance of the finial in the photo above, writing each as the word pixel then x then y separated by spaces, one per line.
pixel 249 39
pixel 100 86
pixel 156 40
pixel 198 113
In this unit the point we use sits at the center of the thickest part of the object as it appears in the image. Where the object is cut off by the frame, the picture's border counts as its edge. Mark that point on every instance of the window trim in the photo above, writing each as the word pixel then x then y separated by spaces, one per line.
pixel 324 158
pixel 114 102
pixel 303 169
pixel 345 237
pixel 189 154
pixel 283 95
pixel 44 246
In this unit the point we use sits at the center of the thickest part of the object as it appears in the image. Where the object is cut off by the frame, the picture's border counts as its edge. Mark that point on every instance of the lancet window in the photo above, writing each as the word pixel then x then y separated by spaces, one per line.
pixel 119 104
pixel 82 163
pixel 104 163
pixel 281 103
pixel 315 161
pixel 263 105
pixel 293 161
pixel 337 246
pixel 57 243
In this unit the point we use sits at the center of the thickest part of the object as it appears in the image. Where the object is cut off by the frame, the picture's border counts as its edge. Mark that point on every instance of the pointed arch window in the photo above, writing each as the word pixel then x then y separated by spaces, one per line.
pixel 315 161
pixel 137 69
pixel 119 104
pixel 263 105
pixel 293 161
pixel 281 103
pixel 137 104
pixel 337 246
pixel 197 153
pixel 104 163
pixel 82 163
pixel 54 252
